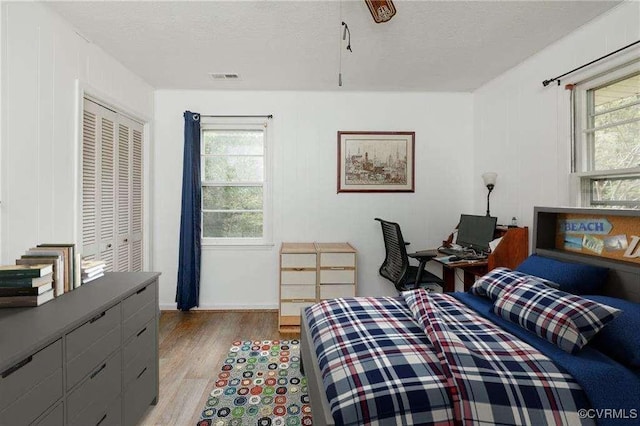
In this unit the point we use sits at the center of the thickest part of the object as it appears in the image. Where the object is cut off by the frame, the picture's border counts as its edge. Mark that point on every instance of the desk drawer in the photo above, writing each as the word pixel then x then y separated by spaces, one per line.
pixel 334 291
pixel 140 393
pixel 293 308
pixel 302 260
pixel 297 292
pixel 338 259
pixel 54 418
pixel 138 351
pixel 337 276
pixel 101 387
pixel 91 331
pixel 32 404
pixel 137 321
pixel 92 357
pixel 298 277
pixel 109 416
pixel 132 304
pixel 25 374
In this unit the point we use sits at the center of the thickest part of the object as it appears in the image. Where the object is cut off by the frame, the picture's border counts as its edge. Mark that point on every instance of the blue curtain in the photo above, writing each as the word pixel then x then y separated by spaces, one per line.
pixel 188 289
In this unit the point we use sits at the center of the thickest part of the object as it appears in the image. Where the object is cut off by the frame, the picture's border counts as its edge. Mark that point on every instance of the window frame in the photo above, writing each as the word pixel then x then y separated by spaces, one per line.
pixel 239 123
pixel 582 159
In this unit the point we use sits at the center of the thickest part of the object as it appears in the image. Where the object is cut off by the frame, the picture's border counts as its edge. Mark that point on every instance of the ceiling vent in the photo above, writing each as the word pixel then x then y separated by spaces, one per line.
pixel 218 76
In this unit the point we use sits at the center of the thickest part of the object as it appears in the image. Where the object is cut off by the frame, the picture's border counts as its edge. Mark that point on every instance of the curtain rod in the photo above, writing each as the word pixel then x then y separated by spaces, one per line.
pixel 545 83
pixel 237 116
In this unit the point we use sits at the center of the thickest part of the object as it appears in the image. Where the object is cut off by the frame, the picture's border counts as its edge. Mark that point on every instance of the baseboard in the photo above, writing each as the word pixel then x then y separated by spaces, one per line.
pixel 223 308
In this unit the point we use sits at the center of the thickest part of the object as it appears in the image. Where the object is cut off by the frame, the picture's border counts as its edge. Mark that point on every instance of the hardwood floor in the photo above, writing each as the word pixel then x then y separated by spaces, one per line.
pixel 193 346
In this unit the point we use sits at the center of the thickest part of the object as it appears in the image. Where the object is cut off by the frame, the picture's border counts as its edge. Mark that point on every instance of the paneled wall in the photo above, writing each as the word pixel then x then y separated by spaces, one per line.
pixel 306 205
pixel 522 129
pixel 42 61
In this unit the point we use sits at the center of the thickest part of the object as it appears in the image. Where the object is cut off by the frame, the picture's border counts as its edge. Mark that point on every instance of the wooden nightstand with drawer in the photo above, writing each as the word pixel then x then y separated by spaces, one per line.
pixel 337 264
pixel 298 282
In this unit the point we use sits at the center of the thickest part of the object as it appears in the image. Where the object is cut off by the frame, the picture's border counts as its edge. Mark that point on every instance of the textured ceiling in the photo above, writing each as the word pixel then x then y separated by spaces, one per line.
pixel 297 45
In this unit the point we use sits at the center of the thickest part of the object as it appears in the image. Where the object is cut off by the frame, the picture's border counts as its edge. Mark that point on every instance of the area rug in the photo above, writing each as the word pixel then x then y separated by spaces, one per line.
pixel 259 384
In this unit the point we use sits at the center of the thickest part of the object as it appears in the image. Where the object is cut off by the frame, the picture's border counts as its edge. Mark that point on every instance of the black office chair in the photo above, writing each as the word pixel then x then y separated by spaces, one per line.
pixel 396 267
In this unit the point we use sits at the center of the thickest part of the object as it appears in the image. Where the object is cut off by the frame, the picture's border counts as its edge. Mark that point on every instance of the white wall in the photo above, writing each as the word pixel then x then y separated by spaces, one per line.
pixel 42 58
pixel 521 128
pixel 306 205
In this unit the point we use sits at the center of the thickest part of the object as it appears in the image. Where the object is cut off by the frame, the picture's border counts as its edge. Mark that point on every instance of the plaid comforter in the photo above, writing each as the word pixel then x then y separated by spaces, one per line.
pixel 432 360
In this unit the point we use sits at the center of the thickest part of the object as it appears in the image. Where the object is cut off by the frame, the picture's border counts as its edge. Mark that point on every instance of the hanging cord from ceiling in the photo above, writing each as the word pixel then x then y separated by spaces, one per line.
pixel 345 32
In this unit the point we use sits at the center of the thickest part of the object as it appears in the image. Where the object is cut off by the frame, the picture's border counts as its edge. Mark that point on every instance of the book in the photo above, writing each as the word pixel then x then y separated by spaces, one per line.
pixel 58 272
pixel 91 278
pixel 25 282
pixel 70 252
pixel 89 266
pixel 25 291
pixel 32 271
pixel 92 273
pixel 54 251
pixel 22 301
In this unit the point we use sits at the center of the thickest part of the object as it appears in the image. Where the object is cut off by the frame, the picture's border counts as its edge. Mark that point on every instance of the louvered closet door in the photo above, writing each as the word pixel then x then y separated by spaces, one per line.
pixel 112 191
pixel 98 178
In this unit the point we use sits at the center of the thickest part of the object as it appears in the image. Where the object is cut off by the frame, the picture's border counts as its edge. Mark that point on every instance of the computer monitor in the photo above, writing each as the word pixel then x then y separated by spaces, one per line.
pixel 476 232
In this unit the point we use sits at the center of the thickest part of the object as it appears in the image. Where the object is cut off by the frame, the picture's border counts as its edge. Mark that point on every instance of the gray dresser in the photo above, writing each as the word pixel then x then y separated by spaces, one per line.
pixel 89 357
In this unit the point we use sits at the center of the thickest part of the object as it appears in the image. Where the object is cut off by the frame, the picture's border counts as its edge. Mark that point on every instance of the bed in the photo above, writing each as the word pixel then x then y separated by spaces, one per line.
pixel 487 356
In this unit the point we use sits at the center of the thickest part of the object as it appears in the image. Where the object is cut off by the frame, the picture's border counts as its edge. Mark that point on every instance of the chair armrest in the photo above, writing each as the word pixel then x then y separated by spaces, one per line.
pixel 423 255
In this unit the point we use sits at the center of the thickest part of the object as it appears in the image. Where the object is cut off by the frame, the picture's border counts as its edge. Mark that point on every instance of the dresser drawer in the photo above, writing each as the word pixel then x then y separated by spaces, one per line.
pixel 132 304
pixel 298 292
pixel 140 393
pixel 102 386
pixel 334 291
pixel 338 259
pixel 293 308
pixel 91 331
pixel 34 402
pixel 337 276
pixel 25 374
pixel 92 357
pixel 137 321
pixel 302 260
pixel 298 277
pixel 53 418
pixel 138 351
pixel 109 416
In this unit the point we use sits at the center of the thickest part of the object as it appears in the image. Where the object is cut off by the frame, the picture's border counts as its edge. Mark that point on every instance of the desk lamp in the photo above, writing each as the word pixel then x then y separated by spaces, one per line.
pixel 490 182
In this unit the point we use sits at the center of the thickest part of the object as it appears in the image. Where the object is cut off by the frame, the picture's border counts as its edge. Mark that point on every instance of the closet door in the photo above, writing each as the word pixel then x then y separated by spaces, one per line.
pixel 98 183
pixel 112 188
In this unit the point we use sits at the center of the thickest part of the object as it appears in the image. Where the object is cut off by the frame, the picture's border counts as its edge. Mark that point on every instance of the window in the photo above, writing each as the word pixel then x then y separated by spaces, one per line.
pixel 607 139
pixel 235 191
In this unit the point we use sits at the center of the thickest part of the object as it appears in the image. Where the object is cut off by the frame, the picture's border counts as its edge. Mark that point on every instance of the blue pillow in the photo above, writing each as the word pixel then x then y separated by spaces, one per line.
pixel 575 278
pixel 620 339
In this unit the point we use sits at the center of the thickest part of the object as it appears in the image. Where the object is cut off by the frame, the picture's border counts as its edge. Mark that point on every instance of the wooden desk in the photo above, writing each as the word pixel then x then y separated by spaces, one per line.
pixel 512 250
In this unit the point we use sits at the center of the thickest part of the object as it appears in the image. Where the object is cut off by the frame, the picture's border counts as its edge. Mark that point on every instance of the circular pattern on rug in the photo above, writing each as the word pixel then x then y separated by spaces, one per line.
pixel 259 384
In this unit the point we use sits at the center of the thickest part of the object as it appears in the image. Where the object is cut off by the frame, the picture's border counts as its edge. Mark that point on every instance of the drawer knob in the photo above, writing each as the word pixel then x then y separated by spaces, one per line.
pixel 141 373
pixel 97 317
pixel 95 373
pixel 141 331
pixel 16 367
pixel 141 290
pixel 102 419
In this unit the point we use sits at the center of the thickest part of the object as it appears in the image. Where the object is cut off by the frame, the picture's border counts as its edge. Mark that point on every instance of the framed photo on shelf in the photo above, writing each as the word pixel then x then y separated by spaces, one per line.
pixel 376 161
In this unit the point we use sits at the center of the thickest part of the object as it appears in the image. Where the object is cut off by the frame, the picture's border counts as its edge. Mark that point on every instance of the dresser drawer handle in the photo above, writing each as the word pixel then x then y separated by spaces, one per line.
pixel 141 331
pixel 102 420
pixel 16 367
pixel 97 317
pixel 298 269
pixel 337 268
pixel 95 373
pixel 141 373
pixel 141 290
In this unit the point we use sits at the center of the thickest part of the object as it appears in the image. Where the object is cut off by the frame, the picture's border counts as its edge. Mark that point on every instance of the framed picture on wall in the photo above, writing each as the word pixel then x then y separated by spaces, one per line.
pixel 376 161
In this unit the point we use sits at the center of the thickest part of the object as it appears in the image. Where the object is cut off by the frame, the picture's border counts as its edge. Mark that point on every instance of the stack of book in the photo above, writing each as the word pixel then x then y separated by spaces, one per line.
pixel 26 285
pixel 92 270
pixel 66 267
